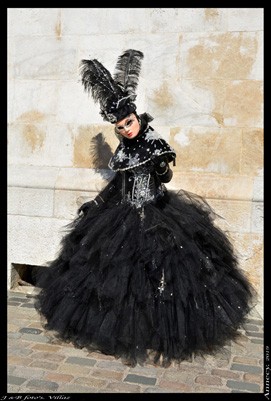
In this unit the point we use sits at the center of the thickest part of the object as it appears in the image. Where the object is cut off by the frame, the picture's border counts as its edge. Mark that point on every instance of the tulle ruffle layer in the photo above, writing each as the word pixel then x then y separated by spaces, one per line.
pixel 162 280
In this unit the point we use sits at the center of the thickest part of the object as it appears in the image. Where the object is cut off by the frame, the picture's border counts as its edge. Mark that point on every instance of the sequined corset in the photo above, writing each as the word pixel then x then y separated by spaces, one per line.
pixel 140 186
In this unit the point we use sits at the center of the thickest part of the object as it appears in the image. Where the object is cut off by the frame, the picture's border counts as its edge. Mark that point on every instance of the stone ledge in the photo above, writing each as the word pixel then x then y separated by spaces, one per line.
pixel 212 186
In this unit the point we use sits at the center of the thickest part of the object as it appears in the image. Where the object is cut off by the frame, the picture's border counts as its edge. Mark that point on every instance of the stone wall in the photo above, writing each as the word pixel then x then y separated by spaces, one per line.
pixel 202 80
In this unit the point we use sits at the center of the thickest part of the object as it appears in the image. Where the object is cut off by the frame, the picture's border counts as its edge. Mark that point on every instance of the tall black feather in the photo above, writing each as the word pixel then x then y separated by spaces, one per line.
pixel 98 80
pixel 127 70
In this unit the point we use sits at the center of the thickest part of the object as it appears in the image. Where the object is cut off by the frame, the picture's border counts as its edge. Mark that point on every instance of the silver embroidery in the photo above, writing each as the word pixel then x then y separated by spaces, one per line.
pixel 208 263
pixel 141 189
pixel 121 155
pixel 152 136
pixel 133 160
pixel 161 287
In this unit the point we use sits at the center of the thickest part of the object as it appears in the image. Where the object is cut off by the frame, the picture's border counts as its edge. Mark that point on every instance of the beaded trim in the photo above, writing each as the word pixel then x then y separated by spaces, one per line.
pixel 139 164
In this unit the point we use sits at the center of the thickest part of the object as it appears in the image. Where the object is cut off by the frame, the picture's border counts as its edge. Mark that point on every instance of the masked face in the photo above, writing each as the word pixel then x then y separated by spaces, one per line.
pixel 128 127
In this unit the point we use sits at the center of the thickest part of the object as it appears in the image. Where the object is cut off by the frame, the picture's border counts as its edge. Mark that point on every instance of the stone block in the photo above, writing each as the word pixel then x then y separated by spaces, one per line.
pixel 49 356
pixel 158 390
pixel 182 102
pixel 209 380
pixel 258 189
pixel 32 176
pixel 18 360
pixel 16 380
pixel 213 186
pixel 147 370
pixel 161 62
pixel 251 327
pixel 28 372
pixel 246 368
pixel 258 67
pixel 227 55
pixel 38 144
pixel 57 377
pixel 208 389
pixel 252 152
pixel 225 374
pixel 26 142
pixel 33 21
pixel 244 104
pixel 139 379
pixel 245 360
pixel 50 58
pixel 80 361
pixel 75 370
pixel 215 19
pixel 13 388
pixel 207 150
pixel 120 387
pixel 28 306
pixel 257 223
pixel 44 365
pixel 75 388
pixel 46 348
pixel 249 248
pixel 253 334
pixel 10 94
pixel 256 341
pixel 93 146
pixel 66 203
pixel 30 201
pixel 206 98
pixel 187 19
pixel 30 330
pixel 39 239
pixel 236 215
pixel 90 382
pixel 104 50
pixel 13 303
pixel 40 99
pixel 34 338
pixel 245 19
pixel 80 179
pixel 74 105
pixel 108 21
pixel 111 365
pixel 107 374
pixel 18 299
pixel 42 385
pixel 177 386
pixel 249 377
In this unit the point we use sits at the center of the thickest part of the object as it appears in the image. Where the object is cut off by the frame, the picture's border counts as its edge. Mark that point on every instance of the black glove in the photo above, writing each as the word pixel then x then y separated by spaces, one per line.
pixel 162 169
pixel 86 206
pixel 160 164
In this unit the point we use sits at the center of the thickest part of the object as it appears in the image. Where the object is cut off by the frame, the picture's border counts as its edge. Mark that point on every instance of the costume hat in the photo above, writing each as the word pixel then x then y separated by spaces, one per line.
pixel 116 95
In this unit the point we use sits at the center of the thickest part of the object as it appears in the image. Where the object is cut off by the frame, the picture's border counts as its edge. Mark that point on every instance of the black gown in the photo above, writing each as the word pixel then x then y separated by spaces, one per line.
pixel 143 272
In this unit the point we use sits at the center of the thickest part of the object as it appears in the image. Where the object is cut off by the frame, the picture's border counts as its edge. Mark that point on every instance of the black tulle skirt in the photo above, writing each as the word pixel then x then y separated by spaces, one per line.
pixel 159 283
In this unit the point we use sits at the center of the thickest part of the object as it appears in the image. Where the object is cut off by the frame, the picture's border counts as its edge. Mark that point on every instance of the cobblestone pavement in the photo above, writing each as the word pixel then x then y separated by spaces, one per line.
pixel 39 364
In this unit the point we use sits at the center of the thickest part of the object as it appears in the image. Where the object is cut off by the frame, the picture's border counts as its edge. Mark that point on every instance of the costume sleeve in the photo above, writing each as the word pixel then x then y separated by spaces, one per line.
pixel 162 169
pixel 110 192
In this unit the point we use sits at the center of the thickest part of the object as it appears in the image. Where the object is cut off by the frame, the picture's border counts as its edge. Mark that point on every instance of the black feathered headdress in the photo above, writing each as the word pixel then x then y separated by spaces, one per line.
pixel 115 94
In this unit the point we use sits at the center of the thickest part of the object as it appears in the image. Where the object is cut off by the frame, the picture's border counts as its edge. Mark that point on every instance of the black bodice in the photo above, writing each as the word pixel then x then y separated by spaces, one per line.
pixel 141 185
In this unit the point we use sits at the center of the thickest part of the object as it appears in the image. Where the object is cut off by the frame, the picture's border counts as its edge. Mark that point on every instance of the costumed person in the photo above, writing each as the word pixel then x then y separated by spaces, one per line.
pixel 143 273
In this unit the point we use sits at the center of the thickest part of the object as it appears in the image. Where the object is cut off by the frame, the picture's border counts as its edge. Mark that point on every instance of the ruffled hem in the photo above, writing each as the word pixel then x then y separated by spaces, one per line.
pixel 161 281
